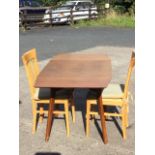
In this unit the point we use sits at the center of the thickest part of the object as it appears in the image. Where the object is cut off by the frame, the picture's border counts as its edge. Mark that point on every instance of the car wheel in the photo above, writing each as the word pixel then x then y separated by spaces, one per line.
pixel 94 15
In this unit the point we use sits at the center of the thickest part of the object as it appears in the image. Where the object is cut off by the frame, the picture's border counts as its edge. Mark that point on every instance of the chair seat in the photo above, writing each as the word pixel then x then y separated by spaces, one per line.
pixel 113 91
pixel 44 94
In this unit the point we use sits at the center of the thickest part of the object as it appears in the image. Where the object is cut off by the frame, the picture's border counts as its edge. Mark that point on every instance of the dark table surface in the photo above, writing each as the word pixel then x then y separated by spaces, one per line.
pixel 76 71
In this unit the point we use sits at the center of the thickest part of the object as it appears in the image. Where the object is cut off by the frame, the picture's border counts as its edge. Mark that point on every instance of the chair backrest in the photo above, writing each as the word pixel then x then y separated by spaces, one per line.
pixel 31 66
pixel 130 68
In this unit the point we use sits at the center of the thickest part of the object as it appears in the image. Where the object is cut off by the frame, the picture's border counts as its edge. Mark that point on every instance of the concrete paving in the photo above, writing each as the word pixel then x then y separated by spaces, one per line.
pixel 58 39
pixel 77 143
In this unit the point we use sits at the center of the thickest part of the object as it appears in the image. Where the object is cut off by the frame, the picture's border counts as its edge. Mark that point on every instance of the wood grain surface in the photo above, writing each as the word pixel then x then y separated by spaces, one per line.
pixel 76 71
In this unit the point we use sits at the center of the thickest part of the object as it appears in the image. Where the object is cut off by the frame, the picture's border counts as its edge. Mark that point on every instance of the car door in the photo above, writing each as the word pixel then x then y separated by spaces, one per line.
pixel 80 11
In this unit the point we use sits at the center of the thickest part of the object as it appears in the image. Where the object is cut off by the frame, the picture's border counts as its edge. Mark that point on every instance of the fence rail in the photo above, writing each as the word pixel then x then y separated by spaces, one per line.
pixel 36 15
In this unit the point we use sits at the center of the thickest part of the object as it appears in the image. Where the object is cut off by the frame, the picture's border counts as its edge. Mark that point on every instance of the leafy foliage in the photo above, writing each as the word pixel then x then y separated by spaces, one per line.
pixel 120 6
pixel 125 6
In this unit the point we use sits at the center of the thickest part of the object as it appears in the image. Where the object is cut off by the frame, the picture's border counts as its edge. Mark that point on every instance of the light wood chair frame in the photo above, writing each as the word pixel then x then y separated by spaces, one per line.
pixel 121 102
pixel 32 70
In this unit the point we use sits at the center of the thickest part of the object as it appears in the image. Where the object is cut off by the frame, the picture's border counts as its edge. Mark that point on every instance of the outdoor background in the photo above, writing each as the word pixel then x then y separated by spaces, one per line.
pixel 10 91
pixel 120 13
pixel 113 34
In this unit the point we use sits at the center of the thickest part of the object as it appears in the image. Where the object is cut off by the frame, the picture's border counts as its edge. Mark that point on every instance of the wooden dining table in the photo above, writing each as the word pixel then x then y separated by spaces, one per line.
pixel 76 70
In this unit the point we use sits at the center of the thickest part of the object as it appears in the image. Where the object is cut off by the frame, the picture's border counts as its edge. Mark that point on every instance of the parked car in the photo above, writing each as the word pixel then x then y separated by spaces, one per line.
pixel 29 3
pixel 33 9
pixel 71 10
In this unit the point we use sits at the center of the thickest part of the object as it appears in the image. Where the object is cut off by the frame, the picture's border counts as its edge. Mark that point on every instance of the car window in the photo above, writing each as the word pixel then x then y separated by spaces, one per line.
pixel 35 4
pixel 80 6
pixel 70 3
pixel 88 5
pixel 32 4
pixel 65 7
pixel 26 3
pixel 84 5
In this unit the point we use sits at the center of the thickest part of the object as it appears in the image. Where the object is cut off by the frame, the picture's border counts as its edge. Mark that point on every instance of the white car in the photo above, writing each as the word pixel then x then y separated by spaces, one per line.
pixel 81 9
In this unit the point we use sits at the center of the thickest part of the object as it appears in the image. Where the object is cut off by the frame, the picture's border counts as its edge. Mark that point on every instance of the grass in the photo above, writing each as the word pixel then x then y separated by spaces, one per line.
pixel 112 19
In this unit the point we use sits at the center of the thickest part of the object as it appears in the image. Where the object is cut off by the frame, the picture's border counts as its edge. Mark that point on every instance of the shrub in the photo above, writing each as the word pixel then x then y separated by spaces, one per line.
pixel 119 9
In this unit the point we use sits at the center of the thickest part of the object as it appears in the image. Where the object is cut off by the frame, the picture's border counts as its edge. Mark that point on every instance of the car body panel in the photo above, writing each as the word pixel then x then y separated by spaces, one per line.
pixel 80 10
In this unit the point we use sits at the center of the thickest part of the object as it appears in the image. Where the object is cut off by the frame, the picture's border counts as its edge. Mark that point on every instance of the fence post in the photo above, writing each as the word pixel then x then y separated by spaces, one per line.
pixel 50 15
pixel 71 16
pixel 89 12
pixel 21 20
pixel 25 19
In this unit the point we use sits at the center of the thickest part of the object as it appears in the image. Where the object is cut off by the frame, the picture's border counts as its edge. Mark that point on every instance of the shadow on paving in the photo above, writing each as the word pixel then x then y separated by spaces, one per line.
pixel 80 97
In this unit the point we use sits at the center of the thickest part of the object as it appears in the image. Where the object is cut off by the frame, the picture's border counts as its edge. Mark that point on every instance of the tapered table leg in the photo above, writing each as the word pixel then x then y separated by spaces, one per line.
pixel 50 116
pixel 101 112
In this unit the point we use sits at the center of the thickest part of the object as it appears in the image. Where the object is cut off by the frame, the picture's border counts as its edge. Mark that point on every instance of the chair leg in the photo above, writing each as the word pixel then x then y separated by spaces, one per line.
pixel 41 114
pixel 87 118
pixel 124 122
pixel 73 110
pixel 126 115
pixel 34 113
pixel 67 118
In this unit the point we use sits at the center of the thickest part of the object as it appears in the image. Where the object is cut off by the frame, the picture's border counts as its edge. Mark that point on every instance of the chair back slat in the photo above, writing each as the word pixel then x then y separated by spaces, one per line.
pixel 31 66
pixel 130 68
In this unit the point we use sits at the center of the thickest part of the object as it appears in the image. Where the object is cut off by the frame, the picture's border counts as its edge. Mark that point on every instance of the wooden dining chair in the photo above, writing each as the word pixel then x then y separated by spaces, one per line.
pixel 40 97
pixel 115 95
